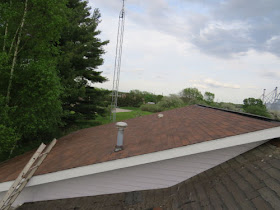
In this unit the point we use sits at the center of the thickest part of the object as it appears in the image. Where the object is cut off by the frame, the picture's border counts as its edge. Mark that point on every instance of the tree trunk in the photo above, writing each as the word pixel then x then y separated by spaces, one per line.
pixel 15 54
pixel 5 37
pixel 6 32
pixel 14 38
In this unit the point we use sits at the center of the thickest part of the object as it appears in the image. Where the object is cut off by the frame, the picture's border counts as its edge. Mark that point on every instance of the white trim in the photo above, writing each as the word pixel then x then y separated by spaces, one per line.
pixel 152 157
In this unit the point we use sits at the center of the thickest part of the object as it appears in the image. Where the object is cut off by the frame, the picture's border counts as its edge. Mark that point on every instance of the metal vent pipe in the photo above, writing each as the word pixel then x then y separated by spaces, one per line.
pixel 121 126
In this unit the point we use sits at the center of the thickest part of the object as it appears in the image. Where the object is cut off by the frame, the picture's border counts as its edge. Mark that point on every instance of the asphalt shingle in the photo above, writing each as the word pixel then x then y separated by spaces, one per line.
pixel 146 134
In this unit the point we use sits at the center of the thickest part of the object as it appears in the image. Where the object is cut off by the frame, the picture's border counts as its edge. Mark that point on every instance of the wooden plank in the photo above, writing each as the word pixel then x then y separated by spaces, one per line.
pixel 40 160
pixel 23 172
pixel 26 175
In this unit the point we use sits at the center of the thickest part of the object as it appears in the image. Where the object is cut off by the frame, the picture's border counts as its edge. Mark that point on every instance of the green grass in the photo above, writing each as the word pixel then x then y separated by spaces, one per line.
pixel 131 108
pixel 100 120
pixel 136 112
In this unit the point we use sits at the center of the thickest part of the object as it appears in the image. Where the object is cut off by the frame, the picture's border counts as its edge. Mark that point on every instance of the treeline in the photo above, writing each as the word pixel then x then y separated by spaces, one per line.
pixel 135 98
pixel 49 56
pixel 189 96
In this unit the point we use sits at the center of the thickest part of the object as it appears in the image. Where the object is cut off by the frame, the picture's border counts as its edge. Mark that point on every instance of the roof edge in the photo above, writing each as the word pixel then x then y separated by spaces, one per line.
pixel 241 113
pixel 226 142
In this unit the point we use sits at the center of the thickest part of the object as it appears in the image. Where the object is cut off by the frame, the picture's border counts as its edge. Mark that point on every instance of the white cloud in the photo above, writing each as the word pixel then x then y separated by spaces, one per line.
pixel 208 82
pixel 218 84
pixel 271 74
pixel 199 86
pixel 227 47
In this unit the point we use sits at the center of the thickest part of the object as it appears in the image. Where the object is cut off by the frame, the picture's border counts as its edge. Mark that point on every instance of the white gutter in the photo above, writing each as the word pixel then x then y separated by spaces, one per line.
pixel 151 157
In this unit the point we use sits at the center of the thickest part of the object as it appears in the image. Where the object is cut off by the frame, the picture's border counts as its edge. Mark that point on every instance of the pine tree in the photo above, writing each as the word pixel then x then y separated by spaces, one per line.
pixel 81 52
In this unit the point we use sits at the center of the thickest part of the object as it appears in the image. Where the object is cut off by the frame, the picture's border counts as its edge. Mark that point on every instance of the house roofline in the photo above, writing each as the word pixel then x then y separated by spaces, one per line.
pixel 241 113
pixel 231 141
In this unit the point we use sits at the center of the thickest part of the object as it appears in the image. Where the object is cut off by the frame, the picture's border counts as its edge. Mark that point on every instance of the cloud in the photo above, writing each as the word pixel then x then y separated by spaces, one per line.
pixel 197 85
pixel 220 28
pixel 273 45
pixel 213 84
pixel 217 84
pixel 256 26
pixel 228 47
pixel 223 40
pixel 252 87
pixel 271 75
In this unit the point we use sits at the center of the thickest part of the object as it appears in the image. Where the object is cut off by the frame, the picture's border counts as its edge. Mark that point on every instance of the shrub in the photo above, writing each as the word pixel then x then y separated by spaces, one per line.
pixel 229 106
pixel 151 108
pixel 169 102
pixel 275 114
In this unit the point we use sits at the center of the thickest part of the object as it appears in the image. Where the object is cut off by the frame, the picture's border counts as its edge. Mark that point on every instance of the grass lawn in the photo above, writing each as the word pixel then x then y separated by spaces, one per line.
pixel 136 112
pixel 132 108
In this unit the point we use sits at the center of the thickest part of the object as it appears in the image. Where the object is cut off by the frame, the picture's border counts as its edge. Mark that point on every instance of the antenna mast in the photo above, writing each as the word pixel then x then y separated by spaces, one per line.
pixel 117 66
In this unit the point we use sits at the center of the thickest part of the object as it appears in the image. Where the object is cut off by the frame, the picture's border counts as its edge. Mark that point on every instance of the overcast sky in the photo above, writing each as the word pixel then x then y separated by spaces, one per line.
pixel 228 47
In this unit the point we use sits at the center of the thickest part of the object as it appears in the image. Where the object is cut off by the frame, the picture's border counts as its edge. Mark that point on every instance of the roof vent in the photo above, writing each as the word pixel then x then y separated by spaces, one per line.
pixel 121 126
pixel 160 115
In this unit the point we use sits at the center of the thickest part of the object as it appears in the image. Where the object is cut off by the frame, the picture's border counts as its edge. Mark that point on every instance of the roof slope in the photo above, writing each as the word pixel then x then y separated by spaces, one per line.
pixel 248 181
pixel 146 134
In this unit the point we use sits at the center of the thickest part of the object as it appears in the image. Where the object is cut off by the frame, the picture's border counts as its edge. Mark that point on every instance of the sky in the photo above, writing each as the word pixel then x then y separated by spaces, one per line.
pixel 228 47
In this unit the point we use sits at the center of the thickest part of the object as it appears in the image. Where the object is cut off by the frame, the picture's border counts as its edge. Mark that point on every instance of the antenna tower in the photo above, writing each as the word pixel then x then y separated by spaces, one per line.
pixel 117 66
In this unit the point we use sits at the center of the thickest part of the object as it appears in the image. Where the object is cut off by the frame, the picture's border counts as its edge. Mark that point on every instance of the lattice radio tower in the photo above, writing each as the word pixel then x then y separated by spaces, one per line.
pixel 117 66
pixel 272 97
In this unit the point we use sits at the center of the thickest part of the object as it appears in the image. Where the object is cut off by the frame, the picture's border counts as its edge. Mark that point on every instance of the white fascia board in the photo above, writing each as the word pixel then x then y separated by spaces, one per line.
pixel 152 157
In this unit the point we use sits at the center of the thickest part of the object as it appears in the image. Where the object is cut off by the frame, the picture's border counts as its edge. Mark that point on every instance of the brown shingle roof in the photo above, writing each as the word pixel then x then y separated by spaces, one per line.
pixel 248 181
pixel 146 134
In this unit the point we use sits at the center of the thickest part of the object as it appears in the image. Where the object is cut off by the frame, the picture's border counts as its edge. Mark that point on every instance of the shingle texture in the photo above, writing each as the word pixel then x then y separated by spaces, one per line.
pixel 249 181
pixel 146 134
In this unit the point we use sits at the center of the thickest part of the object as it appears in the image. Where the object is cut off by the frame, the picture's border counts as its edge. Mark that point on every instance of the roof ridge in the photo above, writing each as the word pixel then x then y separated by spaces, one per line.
pixel 241 113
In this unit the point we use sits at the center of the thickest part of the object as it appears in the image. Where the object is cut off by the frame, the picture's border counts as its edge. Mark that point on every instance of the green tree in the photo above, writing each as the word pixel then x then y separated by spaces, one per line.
pixel 229 106
pixel 255 106
pixel 136 98
pixel 191 95
pixel 28 61
pixel 167 102
pixel 209 97
pixel 150 97
pixel 8 134
pixel 81 55
pixel 95 102
pixel 38 109
pixel 170 102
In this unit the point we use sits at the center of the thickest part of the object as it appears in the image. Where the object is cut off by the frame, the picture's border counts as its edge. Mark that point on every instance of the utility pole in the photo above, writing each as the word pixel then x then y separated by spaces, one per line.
pixel 117 66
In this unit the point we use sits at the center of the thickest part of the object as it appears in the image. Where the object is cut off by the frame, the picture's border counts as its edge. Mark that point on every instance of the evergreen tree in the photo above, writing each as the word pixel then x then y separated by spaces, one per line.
pixel 81 52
